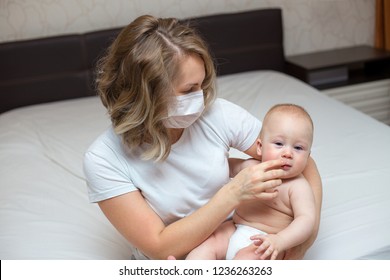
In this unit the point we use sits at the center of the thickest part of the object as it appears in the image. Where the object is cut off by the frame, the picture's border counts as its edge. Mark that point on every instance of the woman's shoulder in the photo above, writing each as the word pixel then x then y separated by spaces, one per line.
pixel 224 108
pixel 221 103
pixel 107 142
pixel 229 111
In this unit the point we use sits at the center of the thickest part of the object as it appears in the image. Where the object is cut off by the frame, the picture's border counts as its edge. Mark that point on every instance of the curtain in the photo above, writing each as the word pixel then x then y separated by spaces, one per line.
pixel 382 24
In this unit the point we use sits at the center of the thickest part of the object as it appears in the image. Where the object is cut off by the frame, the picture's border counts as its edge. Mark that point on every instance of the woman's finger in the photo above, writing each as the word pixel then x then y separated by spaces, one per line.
pixel 267 195
pixel 267 171
pixel 272 164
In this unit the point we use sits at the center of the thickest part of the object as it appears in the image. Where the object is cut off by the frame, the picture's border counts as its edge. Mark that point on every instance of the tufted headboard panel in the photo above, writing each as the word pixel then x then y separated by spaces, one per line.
pixel 62 67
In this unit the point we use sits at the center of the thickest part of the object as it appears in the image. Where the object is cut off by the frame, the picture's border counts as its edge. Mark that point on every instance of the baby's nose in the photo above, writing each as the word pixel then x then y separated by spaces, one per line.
pixel 287 153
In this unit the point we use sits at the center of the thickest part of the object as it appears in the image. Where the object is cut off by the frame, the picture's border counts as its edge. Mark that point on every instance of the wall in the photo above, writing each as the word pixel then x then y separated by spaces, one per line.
pixel 310 25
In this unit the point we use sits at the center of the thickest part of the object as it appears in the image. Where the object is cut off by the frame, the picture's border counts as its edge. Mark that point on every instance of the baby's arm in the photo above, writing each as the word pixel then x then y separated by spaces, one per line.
pixel 300 229
pixel 238 164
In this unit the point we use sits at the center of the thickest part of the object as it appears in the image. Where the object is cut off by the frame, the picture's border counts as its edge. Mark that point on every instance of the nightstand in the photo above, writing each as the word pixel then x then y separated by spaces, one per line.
pixel 340 67
pixel 357 76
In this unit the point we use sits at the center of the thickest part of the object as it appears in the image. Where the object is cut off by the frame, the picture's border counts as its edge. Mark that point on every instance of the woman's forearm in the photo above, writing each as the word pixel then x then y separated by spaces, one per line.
pixel 143 228
pixel 195 228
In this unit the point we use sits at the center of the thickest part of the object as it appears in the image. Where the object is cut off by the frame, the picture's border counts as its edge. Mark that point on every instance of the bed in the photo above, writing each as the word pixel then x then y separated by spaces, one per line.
pixel 50 115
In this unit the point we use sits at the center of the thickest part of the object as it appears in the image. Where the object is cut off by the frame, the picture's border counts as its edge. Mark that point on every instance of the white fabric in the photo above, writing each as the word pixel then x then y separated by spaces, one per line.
pixel 241 239
pixel 186 110
pixel 44 207
pixel 195 169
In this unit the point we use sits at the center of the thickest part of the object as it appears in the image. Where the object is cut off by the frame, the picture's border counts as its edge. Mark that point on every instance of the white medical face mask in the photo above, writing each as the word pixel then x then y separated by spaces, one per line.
pixel 186 110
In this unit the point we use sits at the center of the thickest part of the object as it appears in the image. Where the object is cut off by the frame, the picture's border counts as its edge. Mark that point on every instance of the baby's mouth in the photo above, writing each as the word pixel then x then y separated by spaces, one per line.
pixel 286 167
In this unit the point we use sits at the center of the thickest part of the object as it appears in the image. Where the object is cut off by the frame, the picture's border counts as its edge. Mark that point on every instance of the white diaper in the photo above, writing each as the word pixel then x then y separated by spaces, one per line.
pixel 241 239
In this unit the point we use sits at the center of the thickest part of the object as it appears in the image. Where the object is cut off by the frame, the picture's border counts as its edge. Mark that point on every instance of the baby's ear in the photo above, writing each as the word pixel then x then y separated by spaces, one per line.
pixel 258 146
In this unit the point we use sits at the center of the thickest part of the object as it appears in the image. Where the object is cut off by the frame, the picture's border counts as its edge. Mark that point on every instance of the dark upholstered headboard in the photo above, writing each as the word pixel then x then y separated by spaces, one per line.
pixel 62 67
pixel 244 41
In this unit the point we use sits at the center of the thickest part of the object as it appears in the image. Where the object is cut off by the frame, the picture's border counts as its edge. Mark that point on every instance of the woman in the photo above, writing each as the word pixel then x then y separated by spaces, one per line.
pixel 160 174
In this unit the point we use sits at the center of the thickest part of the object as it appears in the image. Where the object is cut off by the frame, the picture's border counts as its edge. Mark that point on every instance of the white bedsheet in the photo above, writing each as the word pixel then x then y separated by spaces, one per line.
pixel 44 210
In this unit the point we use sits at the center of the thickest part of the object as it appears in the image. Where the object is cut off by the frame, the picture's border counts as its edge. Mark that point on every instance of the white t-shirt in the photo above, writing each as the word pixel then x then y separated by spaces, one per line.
pixel 194 171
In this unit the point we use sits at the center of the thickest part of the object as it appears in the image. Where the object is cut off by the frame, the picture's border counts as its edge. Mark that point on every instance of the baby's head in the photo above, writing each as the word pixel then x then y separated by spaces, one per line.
pixel 287 133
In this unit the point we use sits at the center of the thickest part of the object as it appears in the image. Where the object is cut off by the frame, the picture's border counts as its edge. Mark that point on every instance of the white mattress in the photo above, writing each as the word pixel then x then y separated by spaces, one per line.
pixel 45 214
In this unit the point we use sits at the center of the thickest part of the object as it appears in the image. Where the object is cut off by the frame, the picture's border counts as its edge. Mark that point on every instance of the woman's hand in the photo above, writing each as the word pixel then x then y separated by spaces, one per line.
pixel 258 181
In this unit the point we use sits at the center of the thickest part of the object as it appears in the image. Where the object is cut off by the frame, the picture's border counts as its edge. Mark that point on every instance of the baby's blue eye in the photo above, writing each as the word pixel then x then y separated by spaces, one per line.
pixel 299 148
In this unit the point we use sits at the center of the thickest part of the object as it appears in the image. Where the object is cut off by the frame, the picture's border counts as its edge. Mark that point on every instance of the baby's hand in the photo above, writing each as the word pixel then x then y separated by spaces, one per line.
pixel 268 245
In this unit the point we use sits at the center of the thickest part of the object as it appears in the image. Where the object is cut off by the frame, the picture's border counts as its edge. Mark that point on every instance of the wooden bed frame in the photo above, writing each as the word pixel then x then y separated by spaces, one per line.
pixel 62 67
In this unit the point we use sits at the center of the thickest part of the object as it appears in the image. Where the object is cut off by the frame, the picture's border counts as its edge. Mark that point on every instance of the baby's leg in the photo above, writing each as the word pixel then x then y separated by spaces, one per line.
pixel 214 247
pixel 247 253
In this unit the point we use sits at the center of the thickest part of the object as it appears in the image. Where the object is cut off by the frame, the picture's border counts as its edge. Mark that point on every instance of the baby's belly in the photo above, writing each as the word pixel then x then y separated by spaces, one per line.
pixel 267 218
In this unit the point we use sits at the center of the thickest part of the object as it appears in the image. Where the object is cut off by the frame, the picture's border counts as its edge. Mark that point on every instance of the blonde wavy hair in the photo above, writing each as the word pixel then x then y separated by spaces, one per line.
pixel 135 79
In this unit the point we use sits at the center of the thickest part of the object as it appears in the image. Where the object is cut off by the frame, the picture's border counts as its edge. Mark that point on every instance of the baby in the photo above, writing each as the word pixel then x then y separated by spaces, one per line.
pixel 285 221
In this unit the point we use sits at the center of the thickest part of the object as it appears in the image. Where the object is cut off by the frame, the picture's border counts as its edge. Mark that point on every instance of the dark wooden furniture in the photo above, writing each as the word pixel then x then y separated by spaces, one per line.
pixel 340 67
